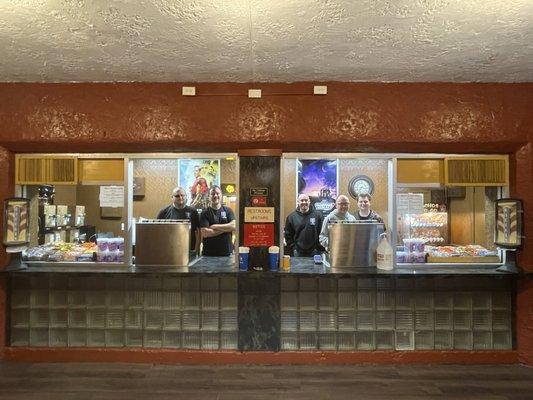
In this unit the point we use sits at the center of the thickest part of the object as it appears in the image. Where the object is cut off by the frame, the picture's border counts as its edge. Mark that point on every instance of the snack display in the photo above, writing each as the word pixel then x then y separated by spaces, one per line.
pixel 431 228
pixel 472 250
pixel 60 251
pixel 461 254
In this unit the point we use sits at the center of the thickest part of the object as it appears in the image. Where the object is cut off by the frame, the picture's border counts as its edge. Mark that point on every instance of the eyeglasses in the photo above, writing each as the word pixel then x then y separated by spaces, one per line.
pixel 178 195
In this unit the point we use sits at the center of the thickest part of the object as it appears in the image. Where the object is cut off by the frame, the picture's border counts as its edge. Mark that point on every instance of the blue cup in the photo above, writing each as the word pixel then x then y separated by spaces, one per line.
pixel 244 257
pixel 273 257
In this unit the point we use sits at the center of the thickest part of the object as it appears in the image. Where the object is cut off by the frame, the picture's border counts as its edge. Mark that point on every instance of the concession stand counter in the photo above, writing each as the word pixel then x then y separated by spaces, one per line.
pixel 342 311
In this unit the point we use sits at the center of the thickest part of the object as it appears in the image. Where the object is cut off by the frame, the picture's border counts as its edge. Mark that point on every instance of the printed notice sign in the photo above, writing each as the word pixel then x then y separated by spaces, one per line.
pixel 411 203
pixel 258 214
pixel 258 235
pixel 111 196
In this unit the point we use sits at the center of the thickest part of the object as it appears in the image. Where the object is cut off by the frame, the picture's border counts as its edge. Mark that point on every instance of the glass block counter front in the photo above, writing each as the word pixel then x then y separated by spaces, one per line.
pixel 258 312
pixel 396 313
pixel 188 312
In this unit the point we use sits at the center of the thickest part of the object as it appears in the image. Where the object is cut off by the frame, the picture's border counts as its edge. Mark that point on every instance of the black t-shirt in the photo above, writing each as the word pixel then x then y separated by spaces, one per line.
pixel 186 212
pixel 220 245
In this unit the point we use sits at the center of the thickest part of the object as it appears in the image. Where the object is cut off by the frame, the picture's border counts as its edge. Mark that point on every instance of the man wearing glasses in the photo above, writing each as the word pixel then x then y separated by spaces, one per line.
pixel 340 214
pixel 180 210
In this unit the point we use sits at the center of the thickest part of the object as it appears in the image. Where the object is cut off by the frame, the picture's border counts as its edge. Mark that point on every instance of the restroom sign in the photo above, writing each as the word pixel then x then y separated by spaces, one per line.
pixel 258 214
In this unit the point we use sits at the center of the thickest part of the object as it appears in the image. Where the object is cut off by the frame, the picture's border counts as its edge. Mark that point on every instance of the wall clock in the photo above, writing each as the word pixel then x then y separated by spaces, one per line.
pixel 360 184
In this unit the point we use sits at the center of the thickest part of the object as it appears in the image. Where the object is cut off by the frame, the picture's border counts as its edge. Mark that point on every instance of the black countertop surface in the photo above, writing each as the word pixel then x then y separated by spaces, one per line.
pixel 227 265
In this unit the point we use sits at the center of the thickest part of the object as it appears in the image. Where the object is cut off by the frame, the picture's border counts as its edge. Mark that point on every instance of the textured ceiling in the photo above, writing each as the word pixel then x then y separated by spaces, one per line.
pixel 266 40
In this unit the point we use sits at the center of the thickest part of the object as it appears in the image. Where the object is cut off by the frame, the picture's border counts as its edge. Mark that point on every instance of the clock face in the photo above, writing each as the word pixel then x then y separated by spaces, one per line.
pixel 360 184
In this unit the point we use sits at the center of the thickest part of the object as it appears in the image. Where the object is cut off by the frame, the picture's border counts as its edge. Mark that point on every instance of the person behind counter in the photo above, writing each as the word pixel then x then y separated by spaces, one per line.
pixel 302 229
pixel 365 213
pixel 180 210
pixel 338 215
pixel 217 223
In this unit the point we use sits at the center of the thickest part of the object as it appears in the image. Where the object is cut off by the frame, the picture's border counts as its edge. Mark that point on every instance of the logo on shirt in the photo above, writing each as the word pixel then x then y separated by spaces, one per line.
pixel 223 214
pixel 312 221
pixel 187 215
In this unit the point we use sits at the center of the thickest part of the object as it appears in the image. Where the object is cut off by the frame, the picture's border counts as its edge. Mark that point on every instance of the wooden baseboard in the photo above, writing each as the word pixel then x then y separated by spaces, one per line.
pixel 167 356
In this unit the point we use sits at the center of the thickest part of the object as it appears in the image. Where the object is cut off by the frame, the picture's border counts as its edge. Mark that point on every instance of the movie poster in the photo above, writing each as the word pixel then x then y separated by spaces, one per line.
pixel 318 179
pixel 196 176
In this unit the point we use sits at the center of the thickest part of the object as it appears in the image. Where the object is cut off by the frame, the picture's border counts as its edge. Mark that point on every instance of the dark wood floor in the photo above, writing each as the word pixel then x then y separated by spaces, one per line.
pixel 138 381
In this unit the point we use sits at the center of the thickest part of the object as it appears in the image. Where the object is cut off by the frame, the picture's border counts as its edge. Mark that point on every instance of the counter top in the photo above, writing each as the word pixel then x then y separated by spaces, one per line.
pixel 226 265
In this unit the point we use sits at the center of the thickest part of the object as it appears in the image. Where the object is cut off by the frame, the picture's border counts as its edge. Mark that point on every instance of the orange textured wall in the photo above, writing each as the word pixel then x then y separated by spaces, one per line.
pixel 363 117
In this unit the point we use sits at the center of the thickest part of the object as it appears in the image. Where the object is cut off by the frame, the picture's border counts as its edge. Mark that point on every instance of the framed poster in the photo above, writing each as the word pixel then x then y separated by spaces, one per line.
pixel 196 176
pixel 17 221
pixel 318 179
pixel 508 223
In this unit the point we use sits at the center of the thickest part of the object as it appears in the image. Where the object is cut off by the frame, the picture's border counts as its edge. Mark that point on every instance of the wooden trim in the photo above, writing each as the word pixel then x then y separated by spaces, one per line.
pixel 166 356
pixel 260 152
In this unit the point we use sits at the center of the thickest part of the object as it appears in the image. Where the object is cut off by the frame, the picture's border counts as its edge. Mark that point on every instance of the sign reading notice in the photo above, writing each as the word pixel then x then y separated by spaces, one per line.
pixel 258 235
pixel 258 214
pixel 412 203
pixel 111 196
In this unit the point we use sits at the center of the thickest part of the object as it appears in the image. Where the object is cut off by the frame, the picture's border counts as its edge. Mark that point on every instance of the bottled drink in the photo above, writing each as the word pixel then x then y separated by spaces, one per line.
pixel 384 254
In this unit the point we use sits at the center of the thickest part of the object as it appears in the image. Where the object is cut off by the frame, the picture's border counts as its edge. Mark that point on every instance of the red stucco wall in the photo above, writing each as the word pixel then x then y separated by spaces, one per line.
pixel 363 117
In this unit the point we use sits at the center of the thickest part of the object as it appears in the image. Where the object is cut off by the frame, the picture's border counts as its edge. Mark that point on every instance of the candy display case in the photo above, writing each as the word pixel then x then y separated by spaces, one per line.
pixel 431 227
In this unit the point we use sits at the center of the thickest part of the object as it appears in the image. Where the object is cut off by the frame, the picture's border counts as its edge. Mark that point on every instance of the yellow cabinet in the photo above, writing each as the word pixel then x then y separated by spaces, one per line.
pixel 36 170
pixel 101 171
pixel 418 171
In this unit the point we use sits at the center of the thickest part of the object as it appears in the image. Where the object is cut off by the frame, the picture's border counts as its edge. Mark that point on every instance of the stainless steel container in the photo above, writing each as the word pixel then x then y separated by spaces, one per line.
pixel 162 243
pixel 354 244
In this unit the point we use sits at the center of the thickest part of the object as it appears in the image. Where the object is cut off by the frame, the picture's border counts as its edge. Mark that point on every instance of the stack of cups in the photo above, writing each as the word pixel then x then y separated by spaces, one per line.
pixel 414 250
pixel 102 253
pixel 110 250
pixel 244 256
pixel 273 257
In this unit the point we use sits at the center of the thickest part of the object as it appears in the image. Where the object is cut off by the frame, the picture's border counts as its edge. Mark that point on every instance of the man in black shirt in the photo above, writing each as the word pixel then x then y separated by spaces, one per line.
pixel 217 223
pixel 302 229
pixel 180 210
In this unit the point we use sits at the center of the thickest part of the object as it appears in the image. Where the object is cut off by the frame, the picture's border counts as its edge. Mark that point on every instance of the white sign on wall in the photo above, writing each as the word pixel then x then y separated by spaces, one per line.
pixel 111 196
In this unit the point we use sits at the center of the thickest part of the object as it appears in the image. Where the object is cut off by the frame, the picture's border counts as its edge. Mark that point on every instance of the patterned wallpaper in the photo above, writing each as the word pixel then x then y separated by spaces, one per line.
pixel 161 176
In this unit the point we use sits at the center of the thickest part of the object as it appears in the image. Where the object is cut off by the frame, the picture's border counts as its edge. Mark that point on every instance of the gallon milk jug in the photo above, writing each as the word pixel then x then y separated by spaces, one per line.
pixel 384 253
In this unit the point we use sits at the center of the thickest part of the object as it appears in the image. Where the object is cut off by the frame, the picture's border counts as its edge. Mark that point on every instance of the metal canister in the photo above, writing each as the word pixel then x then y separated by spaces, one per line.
pixel 286 266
